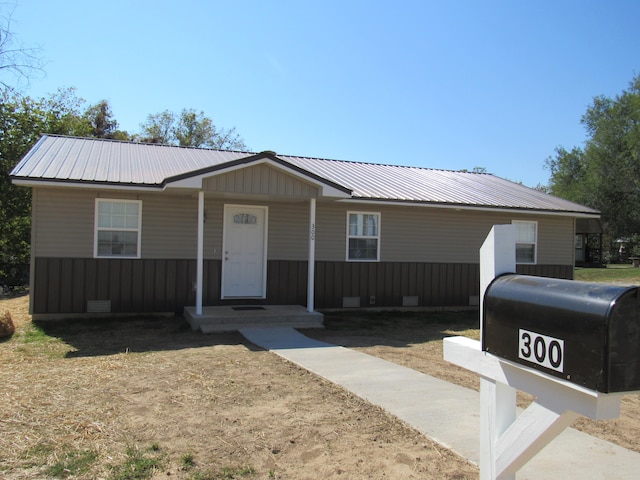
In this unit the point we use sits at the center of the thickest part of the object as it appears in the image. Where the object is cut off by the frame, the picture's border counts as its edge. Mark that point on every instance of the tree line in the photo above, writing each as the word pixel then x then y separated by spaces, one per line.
pixel 604 173
pixel 24 119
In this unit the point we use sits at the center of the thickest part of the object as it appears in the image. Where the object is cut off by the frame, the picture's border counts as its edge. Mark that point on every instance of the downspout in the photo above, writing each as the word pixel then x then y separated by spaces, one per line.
pixel 312 255
pixel 200 259
pixel 32 250
pixel 573 243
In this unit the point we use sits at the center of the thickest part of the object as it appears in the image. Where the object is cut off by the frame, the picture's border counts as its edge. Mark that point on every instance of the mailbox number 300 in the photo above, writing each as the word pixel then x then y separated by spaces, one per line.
pixel 542 350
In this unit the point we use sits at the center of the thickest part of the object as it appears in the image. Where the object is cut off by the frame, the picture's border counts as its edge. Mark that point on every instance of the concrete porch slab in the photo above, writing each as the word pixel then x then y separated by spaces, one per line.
pixel 234 317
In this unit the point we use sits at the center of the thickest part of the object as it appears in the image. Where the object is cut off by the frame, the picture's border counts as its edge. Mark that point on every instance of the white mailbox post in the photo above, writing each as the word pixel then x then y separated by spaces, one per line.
pixel 509 441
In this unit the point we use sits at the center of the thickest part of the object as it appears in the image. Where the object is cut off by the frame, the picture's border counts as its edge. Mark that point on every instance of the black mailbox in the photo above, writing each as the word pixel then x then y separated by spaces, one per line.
pixel 586 333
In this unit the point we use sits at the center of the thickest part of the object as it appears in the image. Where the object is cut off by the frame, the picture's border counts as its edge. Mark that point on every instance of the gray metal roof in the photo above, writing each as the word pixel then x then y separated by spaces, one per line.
pixel 95 161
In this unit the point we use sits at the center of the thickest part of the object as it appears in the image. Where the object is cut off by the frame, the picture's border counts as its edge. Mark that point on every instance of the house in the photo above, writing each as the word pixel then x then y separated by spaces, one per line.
pixel 132 227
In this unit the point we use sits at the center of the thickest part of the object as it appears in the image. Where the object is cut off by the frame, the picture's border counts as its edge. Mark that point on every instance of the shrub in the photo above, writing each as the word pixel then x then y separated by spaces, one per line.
pixel 7 328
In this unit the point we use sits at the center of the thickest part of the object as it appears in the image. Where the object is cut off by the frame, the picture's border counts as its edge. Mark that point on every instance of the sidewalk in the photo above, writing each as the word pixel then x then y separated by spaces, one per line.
pixel 447 413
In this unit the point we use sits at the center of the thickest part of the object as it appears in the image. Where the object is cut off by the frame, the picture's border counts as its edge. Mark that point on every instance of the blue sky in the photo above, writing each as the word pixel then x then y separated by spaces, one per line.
pixel 438 84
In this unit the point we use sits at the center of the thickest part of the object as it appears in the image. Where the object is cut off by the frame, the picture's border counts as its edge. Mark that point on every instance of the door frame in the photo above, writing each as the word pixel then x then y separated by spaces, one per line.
pixel 265 210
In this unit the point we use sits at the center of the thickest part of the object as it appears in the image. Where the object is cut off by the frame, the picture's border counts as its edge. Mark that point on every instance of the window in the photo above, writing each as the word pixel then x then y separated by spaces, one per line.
pixel 245 219
pixel 363 236
pixel 117 232
pixel 526 241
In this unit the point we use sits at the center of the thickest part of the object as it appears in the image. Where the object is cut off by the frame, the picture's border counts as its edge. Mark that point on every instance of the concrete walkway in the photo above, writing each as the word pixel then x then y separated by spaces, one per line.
pixel 447 413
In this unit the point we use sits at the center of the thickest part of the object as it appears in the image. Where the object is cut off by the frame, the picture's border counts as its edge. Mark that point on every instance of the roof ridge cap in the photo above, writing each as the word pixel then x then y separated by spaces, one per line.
pixel 360 162
pixel 132 142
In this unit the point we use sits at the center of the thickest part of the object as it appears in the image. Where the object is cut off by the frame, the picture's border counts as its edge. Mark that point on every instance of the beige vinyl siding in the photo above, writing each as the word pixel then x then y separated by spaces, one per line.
pixel 423 234
pixel 65 222
pixel 214 211
pixel 288 231
pixel 331 231
pixel 260 180
pixel 556 240
pixel 169 226
pixel 65 228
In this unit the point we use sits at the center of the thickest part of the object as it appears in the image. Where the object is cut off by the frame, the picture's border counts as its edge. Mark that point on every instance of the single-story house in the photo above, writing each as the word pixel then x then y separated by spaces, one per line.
pixel 127 227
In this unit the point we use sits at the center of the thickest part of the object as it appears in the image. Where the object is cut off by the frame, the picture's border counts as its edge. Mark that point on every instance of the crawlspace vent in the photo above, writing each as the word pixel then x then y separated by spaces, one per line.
pixel 409 301
pixel 350 302
pixel 99 306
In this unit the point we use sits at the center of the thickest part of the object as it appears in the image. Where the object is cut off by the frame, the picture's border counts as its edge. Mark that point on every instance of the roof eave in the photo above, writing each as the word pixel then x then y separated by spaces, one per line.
pixel 48 182
pixel 481 208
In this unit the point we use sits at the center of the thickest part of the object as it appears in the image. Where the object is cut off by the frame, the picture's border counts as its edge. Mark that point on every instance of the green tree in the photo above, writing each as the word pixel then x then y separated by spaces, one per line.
pixel 569 175
pixel 189 129
pixel 101 120
pixel 159 128
pixel 22 121
pixel 103 125
pixel 195 130
pixel 605 173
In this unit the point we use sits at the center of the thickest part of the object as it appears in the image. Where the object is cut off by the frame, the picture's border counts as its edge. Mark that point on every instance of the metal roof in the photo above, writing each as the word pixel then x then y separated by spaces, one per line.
pixel 107 162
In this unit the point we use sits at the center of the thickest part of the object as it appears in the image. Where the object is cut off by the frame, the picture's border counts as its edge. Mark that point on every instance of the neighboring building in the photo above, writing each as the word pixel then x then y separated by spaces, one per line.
pixel 133 227
pixel 589 243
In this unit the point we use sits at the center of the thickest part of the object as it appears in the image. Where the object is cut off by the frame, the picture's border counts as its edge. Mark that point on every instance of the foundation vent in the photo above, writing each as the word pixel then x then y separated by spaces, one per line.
pixel 350 302
pixel 410 301
pixel 99 306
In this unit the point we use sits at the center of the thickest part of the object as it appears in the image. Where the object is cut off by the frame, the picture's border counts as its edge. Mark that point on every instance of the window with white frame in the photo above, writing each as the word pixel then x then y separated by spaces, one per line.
pixel 117 228
pixel 363 236
pixel 526 241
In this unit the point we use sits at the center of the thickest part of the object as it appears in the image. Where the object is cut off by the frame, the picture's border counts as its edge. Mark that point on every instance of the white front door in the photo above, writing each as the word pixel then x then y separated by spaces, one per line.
pixel 244 265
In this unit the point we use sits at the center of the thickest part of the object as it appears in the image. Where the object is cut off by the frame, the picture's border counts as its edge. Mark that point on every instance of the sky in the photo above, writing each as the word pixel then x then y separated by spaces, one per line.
pixel 453 85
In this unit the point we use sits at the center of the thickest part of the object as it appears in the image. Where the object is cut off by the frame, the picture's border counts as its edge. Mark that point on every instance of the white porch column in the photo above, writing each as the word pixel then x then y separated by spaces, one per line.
pixel 312 255
pixel 200 258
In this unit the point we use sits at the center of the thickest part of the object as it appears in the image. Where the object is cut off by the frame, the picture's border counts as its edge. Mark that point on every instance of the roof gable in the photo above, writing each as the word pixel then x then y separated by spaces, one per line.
pixel 285 178
pixel 261 179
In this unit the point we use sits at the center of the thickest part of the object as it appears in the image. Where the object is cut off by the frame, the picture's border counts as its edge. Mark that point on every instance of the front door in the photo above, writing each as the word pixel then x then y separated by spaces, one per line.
pixel 244 251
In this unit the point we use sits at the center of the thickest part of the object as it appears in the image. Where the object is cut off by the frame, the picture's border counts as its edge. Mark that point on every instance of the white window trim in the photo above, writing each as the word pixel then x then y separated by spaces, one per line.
pixel 348 237
pixel 96 229
pixel 535 241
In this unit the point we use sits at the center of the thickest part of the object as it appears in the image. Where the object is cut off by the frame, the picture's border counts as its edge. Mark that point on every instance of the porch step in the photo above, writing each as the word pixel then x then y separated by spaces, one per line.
pixel 232 318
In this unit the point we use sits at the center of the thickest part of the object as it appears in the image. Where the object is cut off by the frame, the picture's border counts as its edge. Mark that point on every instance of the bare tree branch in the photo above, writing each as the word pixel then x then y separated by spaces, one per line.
pixel 16 61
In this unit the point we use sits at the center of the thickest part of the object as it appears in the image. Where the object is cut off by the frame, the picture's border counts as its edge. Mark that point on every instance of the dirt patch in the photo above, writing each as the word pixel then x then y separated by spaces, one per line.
pixel 148 398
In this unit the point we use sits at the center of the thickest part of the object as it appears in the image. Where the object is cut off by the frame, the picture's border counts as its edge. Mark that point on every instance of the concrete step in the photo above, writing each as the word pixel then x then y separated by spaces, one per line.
pixel 230 318
pixel 229 327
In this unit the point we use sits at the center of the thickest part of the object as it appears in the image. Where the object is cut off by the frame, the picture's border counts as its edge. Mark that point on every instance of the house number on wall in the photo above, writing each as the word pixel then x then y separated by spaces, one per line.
pixel 542 350
pixel 313 231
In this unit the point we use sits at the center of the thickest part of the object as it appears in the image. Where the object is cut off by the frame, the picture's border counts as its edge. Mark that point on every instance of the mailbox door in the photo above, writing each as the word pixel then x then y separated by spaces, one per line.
pixel 624 344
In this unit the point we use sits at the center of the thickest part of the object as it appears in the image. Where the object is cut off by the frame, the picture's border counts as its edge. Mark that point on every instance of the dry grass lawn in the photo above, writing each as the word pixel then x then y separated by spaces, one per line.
pixel 148 398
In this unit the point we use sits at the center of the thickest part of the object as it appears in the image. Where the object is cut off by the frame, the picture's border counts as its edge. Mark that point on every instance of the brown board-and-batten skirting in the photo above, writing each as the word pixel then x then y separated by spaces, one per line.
pixel 76 285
